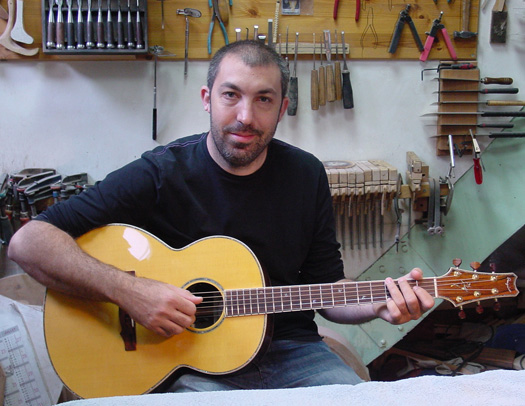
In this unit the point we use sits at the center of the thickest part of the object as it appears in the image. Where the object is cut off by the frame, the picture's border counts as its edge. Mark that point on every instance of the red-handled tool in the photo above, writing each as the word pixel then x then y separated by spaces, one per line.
pixel 357 9
pixel 436 27
pixel 478 170
pixel 336 5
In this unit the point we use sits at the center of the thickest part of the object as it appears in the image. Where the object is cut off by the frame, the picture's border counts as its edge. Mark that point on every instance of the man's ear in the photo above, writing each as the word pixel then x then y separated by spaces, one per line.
pixel 205 97
pixel 284 107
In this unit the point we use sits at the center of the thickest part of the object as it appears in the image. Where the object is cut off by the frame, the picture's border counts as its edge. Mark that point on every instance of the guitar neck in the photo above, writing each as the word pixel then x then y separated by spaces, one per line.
pixel 283 299
pixel 457 286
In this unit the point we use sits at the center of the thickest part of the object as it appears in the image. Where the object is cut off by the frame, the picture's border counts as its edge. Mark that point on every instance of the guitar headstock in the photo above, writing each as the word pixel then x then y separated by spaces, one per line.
pixel 460 287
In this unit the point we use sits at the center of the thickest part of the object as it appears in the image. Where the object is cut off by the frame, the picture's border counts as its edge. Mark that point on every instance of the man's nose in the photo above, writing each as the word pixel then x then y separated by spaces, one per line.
pixel 245 113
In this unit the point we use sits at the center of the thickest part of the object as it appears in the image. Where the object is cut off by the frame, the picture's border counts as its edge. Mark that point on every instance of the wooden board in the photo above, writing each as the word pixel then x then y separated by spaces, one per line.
pixel 369 38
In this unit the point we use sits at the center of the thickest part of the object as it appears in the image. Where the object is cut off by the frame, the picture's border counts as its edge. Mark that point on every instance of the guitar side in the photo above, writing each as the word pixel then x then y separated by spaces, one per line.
pixel 83 337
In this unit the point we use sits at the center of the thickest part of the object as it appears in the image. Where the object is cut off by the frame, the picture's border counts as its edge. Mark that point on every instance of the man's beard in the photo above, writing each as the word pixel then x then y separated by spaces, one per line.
pixel 240 154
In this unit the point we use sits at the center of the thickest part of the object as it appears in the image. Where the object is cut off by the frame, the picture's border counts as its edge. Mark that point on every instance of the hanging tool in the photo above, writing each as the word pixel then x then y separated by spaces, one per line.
pixel 100 27
pixel 337 71
pixel 348 94
pixel 478 171
pixel 437 26
pixel 70 30
pixel 498 23
pixel 465 22
pixel 139 29
pixel 89 27
pixel 157 51
pixel 61 42
pixel 322 79
pixel 286 51
pixel 255 32
pixel 191 12
pixel 293 91
pixel 162 13
pixel 120 29
pixel 109 29
pixel 80 26
pixel 403 18
pixel 314 84
pixel 51 27
pixel 216 15
pixel 486 102
pixel 276 19
pixel 357 10
pixel 5 38
pixel 270 34
pixel 479 113
pixel 450 66
pixel 481 125
pixel 499 90
pixel 18 33
pixel 330 81
pixel 131 43
pixel 336 6
pixel 485 81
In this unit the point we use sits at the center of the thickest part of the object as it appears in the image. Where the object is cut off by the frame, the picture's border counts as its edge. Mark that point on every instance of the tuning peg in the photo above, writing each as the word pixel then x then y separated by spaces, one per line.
pixel 457 262
pixel 479 309
pixel 475 265
pixel 462 315
pixel 496 306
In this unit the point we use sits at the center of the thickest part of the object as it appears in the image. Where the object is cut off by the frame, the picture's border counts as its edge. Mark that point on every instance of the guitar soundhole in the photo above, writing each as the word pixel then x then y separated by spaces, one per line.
pixel 211 310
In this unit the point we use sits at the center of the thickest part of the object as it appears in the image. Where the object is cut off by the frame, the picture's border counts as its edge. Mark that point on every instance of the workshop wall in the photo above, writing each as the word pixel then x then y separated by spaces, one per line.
pixel 96 116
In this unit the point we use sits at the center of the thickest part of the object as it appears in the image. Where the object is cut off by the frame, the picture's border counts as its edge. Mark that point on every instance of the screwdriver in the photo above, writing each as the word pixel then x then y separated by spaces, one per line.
pixel 80 26
pixel 120 29
pixel 330 83
pixel 314 85
pixel 109 29
pixel 100 27
pixel 337 72
pixel 322 80
pixel 89 30
pixel 131 44
pixel 293 92
pixel 138 26
pixel 348 94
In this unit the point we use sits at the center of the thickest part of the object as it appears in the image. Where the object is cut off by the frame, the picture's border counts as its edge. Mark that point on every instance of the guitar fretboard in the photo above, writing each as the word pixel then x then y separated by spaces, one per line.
pixel 282 299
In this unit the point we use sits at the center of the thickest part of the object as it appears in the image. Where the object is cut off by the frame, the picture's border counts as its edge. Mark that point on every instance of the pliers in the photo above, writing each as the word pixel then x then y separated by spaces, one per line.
pixel 436 27
pixel 216 15
pixel 404 18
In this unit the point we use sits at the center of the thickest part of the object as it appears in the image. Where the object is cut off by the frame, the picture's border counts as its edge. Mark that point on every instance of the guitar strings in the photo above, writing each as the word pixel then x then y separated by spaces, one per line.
pixel 250 300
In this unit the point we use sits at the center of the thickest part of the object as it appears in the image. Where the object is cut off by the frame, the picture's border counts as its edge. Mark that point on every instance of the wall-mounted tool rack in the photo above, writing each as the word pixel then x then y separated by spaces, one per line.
pixel 368 38
pixel 113 27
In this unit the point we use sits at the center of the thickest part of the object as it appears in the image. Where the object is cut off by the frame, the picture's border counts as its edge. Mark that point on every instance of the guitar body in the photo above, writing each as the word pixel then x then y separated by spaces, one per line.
pixel 83 337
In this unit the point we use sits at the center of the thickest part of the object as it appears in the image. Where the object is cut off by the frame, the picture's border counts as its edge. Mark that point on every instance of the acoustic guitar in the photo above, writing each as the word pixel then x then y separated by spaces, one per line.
pixel 98 351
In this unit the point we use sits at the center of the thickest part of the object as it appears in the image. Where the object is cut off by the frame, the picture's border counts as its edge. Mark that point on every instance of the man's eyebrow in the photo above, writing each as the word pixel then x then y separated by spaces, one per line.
pixel 230 85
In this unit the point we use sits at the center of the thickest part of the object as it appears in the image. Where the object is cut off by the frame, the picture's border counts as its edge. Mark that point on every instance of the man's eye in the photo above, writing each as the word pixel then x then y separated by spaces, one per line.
pixel 229 95
pixel 265 99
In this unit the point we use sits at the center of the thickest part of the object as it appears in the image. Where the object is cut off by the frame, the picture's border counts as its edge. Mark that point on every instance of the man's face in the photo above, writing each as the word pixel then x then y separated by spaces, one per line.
pixel 245 107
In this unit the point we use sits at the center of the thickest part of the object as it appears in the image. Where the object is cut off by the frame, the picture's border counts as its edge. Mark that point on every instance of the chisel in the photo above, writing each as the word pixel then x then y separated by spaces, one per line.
pixel 100 27
pixel 322 79
pixel 500 90
pixel 491 135
pixel 138 29
pixel 314 85
pixel 131 44
pixel 348 95
pixel 293 92
pixel 70 26
pixel 486 102
pixel 80 26
pixel 481 125
pixel 330 82
pixel 89 31
pixel 109 29
pixel 479 113
pixel 120 29
pixel 337 72
pixel 60 26
pixel 485 81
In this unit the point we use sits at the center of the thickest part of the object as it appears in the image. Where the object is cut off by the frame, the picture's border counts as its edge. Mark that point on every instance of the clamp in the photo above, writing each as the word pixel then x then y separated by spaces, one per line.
pixel 216 15
pixel 437 26
pixel 402 19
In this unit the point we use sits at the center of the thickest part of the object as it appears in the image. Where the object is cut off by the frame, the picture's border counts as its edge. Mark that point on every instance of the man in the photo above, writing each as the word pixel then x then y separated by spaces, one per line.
pixel 235 180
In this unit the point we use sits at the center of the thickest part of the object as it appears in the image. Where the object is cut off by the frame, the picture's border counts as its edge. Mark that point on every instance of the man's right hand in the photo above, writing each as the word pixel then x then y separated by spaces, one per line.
pixel 162 308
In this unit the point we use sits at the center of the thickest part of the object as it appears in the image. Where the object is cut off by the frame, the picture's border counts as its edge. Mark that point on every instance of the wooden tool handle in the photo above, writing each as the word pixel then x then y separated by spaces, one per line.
pixel 314 90
pixel 322 86
pixel 506 103
pixel 293 95
pixel 338 83
pixel 498 81
pixel 330 83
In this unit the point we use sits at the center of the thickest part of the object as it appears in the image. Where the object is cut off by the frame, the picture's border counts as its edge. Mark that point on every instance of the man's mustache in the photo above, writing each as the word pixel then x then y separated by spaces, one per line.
pixel 242 128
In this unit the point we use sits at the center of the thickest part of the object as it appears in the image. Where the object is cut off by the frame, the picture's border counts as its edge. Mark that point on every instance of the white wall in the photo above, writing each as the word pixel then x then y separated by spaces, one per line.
pixel 97 116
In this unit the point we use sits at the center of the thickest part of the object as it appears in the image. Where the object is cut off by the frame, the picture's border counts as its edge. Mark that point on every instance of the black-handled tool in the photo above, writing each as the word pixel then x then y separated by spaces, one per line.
pixel 348 94
pixel 110 37
pixel 485 81
pixel 100 27
pixel 80 26
pixel 89 28
pixel 131 43
pixel 138 29
pixel 403 18
pixel 293 91
pixel 120 29
pixel 70 26
pixel 61 43
pixel 499 90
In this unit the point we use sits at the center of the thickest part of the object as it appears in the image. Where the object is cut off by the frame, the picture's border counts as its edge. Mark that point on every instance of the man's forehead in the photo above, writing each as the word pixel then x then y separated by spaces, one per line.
pixel 266 76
